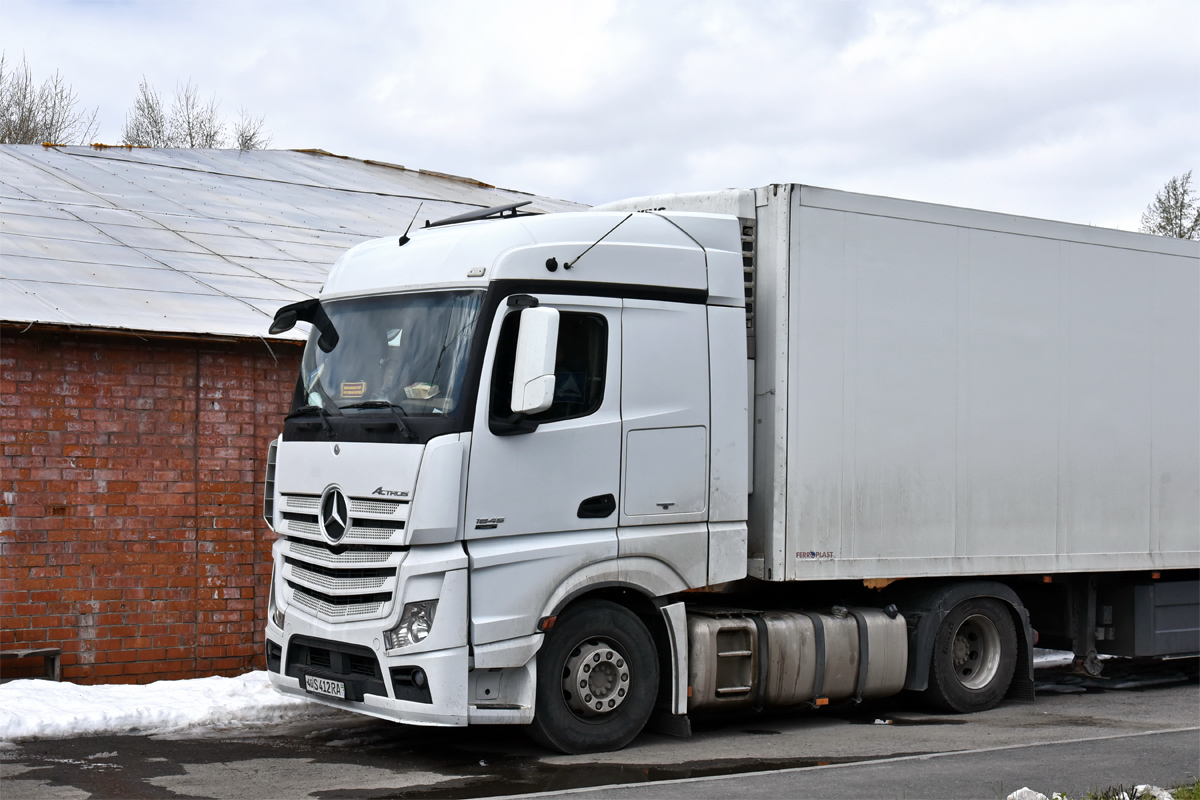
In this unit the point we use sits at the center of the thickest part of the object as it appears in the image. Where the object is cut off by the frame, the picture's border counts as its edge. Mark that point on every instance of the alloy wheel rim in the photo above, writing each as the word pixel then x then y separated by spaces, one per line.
pixel 596 679
pixel 975 650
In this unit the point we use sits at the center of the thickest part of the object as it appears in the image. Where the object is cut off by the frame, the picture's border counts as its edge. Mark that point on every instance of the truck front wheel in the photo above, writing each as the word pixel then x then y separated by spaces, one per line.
pixel 597 680
pixel 974 657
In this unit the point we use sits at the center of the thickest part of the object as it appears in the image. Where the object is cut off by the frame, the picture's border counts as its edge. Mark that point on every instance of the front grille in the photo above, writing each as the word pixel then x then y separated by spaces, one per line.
pixel 338 605
pixel 340 579
pixel 341 582
pixel 303 501
pixel 331 611
pixel 372 532
pixel 322 553
pixel 373 506
pixel 343 599
pixel 370 520
pixel 327 582
pixel 302 526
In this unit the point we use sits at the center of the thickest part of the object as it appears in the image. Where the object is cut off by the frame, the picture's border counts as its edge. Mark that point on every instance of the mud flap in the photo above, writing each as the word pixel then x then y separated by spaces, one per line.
pixel 670 717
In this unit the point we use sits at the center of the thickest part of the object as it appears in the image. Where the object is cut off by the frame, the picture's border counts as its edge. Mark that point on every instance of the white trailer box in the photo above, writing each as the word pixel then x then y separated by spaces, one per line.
pixel 942 391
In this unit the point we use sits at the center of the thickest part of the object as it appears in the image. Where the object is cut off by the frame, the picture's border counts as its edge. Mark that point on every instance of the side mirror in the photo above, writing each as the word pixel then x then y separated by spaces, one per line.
pixel 284 321
pixel 306 311
pixel 533 372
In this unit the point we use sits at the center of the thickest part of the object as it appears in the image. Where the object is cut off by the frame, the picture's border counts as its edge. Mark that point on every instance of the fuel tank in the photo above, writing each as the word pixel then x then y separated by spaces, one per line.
pixel 779 658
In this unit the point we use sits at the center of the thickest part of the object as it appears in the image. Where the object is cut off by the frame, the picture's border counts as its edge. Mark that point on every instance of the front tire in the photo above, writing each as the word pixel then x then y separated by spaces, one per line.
pixel 974 657
pixel 597 680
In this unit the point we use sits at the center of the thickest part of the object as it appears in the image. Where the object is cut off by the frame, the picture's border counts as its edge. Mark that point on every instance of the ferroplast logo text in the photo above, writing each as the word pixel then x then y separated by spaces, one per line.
pixel 814 554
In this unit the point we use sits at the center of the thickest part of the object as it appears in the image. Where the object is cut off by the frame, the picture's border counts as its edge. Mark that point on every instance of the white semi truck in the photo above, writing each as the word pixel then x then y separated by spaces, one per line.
pixel 690 453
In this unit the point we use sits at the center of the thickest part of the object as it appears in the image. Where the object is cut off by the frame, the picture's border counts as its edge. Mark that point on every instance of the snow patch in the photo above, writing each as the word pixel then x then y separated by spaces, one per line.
pixel 1025 793
pixel 1142 791
pixel 39 709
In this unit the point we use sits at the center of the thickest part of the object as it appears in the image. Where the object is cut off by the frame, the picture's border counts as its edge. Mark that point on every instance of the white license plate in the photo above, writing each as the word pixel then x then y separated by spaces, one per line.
pixel 324 686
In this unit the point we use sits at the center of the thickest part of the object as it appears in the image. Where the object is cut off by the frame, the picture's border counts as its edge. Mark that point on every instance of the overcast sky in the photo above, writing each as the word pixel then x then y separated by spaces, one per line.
pixel 1070 110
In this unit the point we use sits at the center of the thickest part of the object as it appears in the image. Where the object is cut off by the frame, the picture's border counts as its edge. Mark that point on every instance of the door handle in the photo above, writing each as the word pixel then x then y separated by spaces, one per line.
pixel 598 507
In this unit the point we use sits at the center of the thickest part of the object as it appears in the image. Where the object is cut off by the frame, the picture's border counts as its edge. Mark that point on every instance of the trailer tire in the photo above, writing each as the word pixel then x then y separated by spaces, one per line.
pixel 584 710
pixel 974 657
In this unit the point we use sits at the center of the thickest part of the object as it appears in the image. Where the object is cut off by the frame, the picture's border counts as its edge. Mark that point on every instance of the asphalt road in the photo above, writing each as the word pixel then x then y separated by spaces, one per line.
pixel 1061 742
pixel 1073 768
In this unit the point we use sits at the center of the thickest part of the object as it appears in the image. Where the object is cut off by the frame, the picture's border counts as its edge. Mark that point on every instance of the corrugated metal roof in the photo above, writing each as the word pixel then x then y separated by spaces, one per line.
pixel 198 241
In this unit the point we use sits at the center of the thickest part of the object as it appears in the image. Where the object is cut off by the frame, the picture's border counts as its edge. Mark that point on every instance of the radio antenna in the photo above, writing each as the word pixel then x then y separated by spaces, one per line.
pixel 570 264
pixel 404 237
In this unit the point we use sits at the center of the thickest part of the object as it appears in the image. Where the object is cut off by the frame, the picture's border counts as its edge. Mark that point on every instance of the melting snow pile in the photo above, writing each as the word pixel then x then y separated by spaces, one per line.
pixel 37 709
pixel 1141 792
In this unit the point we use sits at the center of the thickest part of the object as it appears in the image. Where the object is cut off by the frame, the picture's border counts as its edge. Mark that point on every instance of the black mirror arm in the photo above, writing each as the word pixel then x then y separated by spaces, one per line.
pixel 329 334
pixel 512 426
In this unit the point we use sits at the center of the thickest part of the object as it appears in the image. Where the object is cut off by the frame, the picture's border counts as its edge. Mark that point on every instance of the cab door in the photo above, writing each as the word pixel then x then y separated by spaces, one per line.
pixel 665 410
pixel 543 503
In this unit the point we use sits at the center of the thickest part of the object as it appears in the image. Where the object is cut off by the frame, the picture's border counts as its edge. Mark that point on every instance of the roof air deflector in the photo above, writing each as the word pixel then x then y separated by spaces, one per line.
pixel 509 210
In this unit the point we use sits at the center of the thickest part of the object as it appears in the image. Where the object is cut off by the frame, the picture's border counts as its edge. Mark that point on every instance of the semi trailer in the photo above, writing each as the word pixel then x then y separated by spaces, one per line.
pixel 697 453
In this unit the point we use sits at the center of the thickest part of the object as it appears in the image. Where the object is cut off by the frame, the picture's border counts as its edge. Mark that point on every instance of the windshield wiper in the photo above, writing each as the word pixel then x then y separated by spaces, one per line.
pixel 304 411
pixel 390 406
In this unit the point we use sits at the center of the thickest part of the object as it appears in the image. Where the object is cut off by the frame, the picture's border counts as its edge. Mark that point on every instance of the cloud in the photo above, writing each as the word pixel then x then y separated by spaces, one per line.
pixel 1071 110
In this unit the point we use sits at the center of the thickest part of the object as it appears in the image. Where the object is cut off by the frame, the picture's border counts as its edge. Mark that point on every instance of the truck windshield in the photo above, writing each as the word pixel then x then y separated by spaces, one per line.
pixel 406 353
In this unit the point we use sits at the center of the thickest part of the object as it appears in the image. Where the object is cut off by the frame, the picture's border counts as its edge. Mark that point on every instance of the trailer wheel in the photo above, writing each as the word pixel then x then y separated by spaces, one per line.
pixel 597 680
pixel 974 657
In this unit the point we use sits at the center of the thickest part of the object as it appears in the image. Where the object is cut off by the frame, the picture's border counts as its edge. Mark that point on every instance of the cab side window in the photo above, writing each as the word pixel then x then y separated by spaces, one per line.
pixel 579 367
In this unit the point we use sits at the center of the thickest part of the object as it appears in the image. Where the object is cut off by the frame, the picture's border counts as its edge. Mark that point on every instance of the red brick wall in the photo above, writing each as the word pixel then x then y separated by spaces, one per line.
pixel 131 530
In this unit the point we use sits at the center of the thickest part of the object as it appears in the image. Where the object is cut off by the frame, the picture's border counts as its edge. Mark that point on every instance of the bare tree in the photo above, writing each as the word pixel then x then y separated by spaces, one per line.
pixel 248 133
pixel 34 115
pixel 146 122
pixel 195 122
pixel 191 122
pixel 1175 210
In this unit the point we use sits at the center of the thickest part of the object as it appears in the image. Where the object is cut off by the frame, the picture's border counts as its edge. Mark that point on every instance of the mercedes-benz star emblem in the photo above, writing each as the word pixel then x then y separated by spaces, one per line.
pixel 335 520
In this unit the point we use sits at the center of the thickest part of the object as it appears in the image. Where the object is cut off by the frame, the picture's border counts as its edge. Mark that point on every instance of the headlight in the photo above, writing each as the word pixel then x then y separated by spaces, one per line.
pixel 415 623
pixel 274 611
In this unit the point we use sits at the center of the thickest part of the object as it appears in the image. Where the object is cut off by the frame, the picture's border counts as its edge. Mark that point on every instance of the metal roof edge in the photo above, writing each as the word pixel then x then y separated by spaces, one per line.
pixel 6 327
pixel 316 151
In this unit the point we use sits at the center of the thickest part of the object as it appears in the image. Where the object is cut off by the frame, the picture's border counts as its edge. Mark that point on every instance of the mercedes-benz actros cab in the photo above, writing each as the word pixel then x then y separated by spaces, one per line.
pixel 687 454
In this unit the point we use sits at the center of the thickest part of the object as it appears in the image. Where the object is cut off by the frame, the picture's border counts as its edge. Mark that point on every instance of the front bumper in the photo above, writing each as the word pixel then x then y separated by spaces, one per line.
pixel 422 684
pixel 445 673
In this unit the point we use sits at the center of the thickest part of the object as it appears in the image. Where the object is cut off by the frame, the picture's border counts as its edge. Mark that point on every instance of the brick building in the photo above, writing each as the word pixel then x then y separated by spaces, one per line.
pixel 138 391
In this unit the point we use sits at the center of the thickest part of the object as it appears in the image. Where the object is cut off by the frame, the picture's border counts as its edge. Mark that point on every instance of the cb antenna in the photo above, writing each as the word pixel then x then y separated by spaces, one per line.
pixel 404 237
pixel 570 264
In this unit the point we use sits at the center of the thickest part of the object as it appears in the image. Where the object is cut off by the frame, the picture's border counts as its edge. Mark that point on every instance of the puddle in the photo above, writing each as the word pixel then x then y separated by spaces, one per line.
pixel 530 775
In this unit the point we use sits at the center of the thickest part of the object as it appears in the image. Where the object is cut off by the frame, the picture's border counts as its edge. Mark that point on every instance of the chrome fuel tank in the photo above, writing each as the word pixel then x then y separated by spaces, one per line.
pixel 781 658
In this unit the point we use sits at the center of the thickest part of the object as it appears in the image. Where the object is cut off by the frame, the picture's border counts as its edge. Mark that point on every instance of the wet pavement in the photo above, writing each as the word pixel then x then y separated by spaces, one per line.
pixel 360 757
